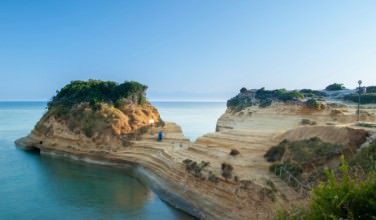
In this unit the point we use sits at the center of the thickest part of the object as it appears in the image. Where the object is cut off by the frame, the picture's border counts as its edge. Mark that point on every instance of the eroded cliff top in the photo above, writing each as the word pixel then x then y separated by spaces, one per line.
pixel 313 99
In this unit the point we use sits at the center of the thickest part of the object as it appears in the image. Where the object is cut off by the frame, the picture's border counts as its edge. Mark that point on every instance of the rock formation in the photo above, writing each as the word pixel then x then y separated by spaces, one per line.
pixel 205 178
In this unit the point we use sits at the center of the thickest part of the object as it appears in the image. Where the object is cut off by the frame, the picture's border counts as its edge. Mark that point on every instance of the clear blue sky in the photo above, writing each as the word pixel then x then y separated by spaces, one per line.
pixel 196 49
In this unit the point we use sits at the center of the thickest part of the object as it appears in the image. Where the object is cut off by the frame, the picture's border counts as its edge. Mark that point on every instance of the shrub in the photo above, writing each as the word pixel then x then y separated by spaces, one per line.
pixel 96 92
pixel 292 168
pixel 245 184
pixel 368 98
pixel 343 197
pixel 291 96
pixel 234 152
pixel 271 185
pixel 307 151
pixel 265 103
pixel 367 125
pixel 365 158
pixel 233 102
pixel 226 170
pixel 213 178
pixel 275 153
pixel 264 94
pixel 292 157
pixel 279 94
pixel 371 89
pixel 243 90
pixel 244 100
pixel 313 104
pixel 239 102
pixel 269 193
pixel 88 129
pixel 312 93
pixel 194 168
pixel 306 121
pixel 335 87
pixel 286 171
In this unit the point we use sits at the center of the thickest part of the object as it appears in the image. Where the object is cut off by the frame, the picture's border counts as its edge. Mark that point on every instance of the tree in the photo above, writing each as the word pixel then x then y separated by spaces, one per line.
pixel 335 87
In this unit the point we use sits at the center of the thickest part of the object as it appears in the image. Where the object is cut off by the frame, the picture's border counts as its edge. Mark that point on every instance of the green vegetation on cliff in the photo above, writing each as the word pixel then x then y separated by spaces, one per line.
pixel 294 157
pixel 342 196
pixel 371 89
pixel 368 98
pixel 312 93
pixel 264 98
pixel 96 91
pixel 348 191
pixel 305 97
pixel 335 87
pixel 304 151
pixel 313 104
pixel 279 94
pixel 100 108
pixel 365 158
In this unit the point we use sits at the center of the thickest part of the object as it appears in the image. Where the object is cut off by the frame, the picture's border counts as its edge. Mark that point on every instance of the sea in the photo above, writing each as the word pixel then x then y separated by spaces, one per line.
pixel 34 186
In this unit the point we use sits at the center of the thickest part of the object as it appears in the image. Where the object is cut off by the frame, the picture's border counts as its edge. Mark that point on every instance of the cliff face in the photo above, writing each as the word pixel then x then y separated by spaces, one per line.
pixel 97 124
pixel 223 175
pixel 161 164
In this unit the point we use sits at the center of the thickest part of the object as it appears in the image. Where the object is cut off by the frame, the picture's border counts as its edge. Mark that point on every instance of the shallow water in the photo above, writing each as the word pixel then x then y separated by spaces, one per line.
pixel 42 187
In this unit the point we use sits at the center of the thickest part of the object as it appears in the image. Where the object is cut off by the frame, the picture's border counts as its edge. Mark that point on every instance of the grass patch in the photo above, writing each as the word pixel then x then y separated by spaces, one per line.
pixel 307 151
pixel 291 158
pixel 303 151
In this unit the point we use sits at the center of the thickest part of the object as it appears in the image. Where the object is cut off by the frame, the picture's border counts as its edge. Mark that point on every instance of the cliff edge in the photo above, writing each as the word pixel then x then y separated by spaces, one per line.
pixel 222 175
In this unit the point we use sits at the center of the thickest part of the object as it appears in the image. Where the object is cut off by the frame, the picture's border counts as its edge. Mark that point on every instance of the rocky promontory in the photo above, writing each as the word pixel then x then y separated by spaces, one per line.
pixel 222 175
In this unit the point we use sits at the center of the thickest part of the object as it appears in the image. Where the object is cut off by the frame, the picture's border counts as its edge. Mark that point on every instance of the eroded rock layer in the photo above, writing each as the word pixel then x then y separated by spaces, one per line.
pixel 223 175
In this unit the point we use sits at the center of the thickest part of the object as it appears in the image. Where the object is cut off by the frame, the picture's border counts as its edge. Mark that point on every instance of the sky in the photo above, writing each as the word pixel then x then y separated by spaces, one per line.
pixel 185 50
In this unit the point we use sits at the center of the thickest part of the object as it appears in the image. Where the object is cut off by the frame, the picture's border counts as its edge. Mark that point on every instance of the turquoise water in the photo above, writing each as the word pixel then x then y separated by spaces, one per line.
pixel 42 187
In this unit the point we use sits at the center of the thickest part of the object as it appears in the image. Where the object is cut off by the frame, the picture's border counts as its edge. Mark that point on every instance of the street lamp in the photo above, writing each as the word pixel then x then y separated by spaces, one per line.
pixel 359 91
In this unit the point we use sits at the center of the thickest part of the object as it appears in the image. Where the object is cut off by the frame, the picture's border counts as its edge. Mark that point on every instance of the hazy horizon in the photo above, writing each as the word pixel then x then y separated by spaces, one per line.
pixel 192 50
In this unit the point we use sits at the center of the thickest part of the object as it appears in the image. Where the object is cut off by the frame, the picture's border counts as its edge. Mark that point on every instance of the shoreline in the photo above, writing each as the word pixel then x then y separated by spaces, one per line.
pixel 190 175
pixel 139 172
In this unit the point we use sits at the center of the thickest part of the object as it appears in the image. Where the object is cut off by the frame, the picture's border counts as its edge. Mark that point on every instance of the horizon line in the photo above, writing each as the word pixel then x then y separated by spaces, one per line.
pixel 155 100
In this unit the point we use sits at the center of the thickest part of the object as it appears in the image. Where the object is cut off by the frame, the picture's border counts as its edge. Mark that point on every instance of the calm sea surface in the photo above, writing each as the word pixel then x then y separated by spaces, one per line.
pixel 41 187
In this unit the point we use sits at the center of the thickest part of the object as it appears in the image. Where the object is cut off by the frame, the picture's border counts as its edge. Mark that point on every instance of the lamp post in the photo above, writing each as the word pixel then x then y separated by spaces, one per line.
pixel 359 91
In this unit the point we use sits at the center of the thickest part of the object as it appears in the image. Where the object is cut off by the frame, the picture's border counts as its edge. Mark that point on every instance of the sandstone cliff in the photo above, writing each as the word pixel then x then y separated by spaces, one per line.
pixel 223 175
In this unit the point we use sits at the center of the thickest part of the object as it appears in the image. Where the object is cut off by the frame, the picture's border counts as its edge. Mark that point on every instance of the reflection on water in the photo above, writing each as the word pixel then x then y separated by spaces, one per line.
pixel 68 181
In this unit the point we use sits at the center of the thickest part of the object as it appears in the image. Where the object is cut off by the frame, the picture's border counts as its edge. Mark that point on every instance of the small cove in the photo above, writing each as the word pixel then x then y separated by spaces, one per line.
pixel 35 186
